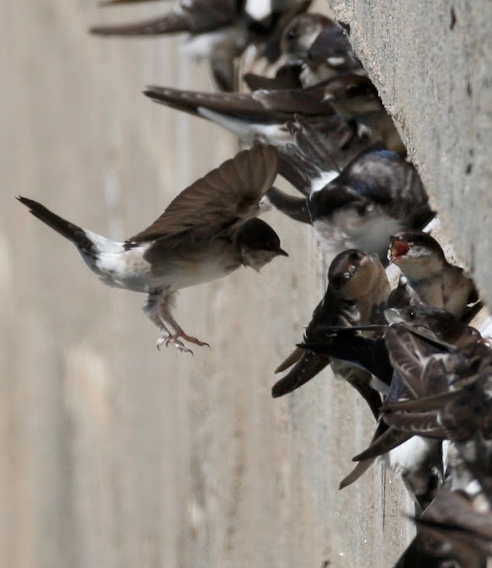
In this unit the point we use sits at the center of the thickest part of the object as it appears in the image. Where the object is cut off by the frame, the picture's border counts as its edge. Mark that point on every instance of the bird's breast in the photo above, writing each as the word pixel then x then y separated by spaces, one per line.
pixel 136 269
pixel 348 229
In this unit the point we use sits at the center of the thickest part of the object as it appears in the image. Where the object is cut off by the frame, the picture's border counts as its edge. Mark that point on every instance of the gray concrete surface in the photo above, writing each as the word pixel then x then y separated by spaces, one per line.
pixel 115 455
pixel 432 65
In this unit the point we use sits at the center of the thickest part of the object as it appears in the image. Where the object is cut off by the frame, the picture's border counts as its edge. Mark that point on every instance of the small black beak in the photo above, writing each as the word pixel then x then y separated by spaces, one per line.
pixel 281 252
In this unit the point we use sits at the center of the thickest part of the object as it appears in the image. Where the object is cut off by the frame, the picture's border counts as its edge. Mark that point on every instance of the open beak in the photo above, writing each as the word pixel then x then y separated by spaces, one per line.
pixel 398 248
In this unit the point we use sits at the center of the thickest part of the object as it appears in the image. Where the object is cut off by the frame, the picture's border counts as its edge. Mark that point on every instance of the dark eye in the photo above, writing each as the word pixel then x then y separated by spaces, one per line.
pixel 355 255
pixel 475 366
pixel 411 314
pixel 352 91
pixel 293 34
pixel 337 282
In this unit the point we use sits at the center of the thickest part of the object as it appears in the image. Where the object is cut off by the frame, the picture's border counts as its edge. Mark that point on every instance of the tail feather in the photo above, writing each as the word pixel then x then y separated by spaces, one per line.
pixel 115 2
pixel 357 472
pixel 387 441
pixel 310 144
pixel 294 207
pixel 68 230
pixel 169 24
pixel 296 168
pixel 303 371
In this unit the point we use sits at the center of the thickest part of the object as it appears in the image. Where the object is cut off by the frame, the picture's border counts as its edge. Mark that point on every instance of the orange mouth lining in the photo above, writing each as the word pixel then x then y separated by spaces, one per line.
pixel 399 249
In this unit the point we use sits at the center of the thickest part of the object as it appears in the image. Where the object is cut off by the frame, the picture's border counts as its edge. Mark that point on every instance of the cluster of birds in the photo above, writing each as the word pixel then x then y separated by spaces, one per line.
pixel 314 117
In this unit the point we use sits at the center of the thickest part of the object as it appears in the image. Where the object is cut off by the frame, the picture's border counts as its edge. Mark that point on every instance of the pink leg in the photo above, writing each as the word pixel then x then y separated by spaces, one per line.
pixel 166 316
pixel 158 308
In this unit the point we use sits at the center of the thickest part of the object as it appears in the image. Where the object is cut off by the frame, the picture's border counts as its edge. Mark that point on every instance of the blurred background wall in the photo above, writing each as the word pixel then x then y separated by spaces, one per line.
pixel 116 455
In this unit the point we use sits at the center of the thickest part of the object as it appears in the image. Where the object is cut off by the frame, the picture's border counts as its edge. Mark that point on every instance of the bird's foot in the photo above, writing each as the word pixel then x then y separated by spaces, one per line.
pixel 175 340
pixel 182 335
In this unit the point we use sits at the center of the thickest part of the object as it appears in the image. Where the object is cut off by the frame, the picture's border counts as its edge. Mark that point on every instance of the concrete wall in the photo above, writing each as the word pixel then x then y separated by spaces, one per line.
pixel 115 455
pixel 432 65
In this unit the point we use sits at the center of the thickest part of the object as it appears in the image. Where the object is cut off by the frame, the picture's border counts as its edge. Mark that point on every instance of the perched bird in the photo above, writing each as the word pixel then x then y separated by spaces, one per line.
pixel 357 104
pixel 315 49
pixel 420 352
pixel 458 523
pixel 218 30
pixel 455 530
pixel 208 231
pixel 424 370
pixel 376 194
pixel 215 32
pixel 116 2
pixel 192 16
pixel 318 44
pixel 266 23
pixel 356 99
pixel 315 158
pixel 286 77
pixel 357 284
pixel 436 282
pixel 248 115
pixel 435 325
pixel 443 324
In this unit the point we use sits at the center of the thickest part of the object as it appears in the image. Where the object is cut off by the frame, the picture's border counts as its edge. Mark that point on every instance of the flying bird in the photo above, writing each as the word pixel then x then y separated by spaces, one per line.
pixel 208 231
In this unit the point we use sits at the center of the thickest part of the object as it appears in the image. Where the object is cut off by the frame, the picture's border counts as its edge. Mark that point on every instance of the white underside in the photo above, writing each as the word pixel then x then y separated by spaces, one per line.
pixel 248 132
pixel 203 46
pixel 128 269
pixel 347 229
pixel 323 180
pixel 409 456
pixel 259 9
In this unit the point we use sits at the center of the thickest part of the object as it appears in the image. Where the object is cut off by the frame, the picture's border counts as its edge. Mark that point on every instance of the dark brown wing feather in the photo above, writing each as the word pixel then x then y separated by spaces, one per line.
pixel 425 404
pixel 226 196
pixel 384 443
pixel 409 353
pixel 363 465
pixel 303 371
pixel 291 359
pixel 420 423
pixel 116 2
pixel 169 24
pixel 302 101
pixel 357 472
pixel 195 16
pixel 232 104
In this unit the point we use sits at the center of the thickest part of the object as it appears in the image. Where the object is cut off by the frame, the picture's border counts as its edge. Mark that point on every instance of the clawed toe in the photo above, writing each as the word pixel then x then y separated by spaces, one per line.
pixel 194 340
pixel 175 340
pixel 158 309
pixel 180 346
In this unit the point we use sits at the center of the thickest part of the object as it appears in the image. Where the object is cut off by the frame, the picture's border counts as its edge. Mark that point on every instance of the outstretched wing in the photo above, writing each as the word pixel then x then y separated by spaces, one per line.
pixel 226 196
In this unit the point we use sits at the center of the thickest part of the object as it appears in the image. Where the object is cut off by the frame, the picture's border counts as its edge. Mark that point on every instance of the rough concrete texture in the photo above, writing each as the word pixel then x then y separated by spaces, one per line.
pixel 432 65
pixel 115 455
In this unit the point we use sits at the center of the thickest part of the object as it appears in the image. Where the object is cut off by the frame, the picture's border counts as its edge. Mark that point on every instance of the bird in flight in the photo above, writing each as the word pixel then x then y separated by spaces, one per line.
pixel 209 230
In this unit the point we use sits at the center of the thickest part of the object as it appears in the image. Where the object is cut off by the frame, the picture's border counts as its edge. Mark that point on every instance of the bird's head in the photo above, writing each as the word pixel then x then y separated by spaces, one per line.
pixel 258 243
